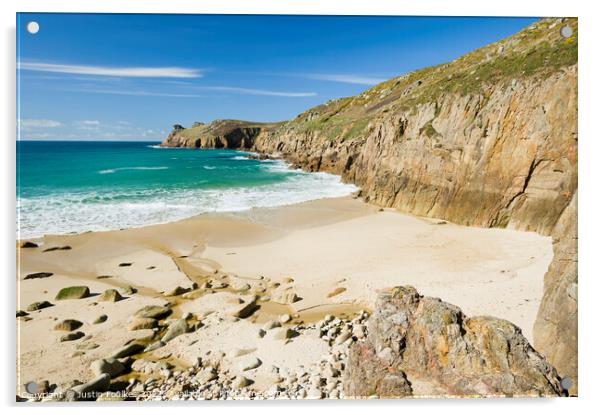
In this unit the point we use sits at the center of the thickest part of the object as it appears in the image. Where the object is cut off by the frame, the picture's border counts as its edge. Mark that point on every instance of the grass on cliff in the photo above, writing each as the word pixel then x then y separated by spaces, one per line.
pixel 535 52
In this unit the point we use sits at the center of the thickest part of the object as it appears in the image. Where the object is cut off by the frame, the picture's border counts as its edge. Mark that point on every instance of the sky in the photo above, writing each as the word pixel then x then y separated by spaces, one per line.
pixel 131 77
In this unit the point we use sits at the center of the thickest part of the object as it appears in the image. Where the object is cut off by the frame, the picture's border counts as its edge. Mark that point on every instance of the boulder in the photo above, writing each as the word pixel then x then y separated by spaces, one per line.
pixel 73 293
pixel 127 350
pixel 434 342
pixel 110 366
pixel 176 329
pixel 142 323
pixel 38 305
pixel 245 309
pixel 68 325
pixel 110 295
pixel 87 390
pixel 153 311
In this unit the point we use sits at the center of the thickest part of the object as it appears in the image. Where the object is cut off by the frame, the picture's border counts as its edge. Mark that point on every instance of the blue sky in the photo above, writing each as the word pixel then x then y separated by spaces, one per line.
pixel 131 77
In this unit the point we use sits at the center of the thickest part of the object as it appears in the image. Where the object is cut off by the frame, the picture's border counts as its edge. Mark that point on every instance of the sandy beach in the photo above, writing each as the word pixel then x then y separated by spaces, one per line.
pixel 325 257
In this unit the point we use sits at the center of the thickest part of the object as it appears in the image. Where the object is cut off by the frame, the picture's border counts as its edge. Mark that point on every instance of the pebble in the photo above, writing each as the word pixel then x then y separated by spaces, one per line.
pixel 249 364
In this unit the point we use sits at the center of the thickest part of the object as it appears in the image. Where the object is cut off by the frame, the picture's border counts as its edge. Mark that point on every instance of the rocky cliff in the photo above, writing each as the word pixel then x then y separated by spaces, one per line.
pixel 489 139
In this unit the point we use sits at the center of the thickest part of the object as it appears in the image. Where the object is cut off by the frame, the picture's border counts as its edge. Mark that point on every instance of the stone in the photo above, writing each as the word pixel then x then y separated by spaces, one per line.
pixel 439 345
pixel 206 375
pixel 282 333
pixel 68 325
pixel 285 318
pixel 245 309
pixel 100 319
pixel 98 384
pixel 110 295
pixel 153 311
pixel 111 366
pixel 176 329
pixel 29 244
pixel 315 393
pixel 76 335
pixel 129 290
pixel 176 291
pixel 285 297
pixel 127 350
pixel 73 293
pixel 142 323
pixel 240 382
pixel 271 325
pixel 154 346
pixel 249 364
pixel 87 346
pixel 22 313
pixel 57 248
pixel 38 305
pixel 37 275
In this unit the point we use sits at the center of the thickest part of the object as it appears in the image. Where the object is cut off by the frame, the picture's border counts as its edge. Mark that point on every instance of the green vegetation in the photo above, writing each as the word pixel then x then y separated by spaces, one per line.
pixel 76 292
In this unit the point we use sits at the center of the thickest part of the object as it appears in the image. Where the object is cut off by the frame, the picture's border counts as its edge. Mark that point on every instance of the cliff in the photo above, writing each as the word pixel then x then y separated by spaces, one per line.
pixel 489 139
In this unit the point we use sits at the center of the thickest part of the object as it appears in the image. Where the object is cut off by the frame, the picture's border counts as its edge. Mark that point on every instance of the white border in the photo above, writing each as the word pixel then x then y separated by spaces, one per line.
pixel 590 151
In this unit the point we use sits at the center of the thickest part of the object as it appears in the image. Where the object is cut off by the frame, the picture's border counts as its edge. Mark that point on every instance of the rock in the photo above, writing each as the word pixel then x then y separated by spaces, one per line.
pixel 100 319
pixel 142 324
pixel 28 244
pixel 110 295
pixel 314 393
pixel 176 291
pixel 245 309
pixel 87 346
pixel 154 346
pixel 57 248
pixel 37 275
pixel 285 297
pixel 125 264
pixel 249 364
pixel 22 313
pixel 240 382
pixel 127 350
pixel 110 366
pixel 176 329
pixel 343 337
pixel 38 305
pixel 206 375
pixel 129 290
pixel 80 392
pixel 72 336
pixel 439 345
pixel 153 311
pixel 282 333
pixel 73 293
pixel 68 325
pixel 285 318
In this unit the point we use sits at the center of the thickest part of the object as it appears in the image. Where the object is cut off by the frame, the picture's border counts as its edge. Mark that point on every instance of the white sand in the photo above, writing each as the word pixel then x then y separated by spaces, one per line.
pixel 323 245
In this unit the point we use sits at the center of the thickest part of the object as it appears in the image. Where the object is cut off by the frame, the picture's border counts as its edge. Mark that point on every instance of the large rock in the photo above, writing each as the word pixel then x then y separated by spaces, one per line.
pixel 110 295
pixel 111 366
pixel 176 329
pixel 423 339
pixel 89 390
pixel 153 311
pixel 73 293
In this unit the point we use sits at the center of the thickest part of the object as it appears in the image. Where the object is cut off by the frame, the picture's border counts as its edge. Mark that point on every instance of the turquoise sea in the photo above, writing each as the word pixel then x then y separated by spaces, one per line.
pixel 65 187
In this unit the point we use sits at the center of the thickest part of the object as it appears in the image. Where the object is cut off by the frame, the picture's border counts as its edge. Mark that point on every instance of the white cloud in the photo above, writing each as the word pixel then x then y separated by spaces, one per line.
pixel 346 79
pixel 251 91
pixel 28 124
pixel 138 93
pixel 88 124
pixel 137 72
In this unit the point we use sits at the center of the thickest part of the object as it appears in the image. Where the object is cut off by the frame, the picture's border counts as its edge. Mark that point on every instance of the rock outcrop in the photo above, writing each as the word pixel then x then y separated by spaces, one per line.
pixel 489 139
pixel 412 338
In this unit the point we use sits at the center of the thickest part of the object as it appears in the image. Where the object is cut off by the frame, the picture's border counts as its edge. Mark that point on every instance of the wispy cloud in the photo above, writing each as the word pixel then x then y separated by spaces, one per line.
pixel 346 79
pixel 251 91
pixel 28 124
pixel 88 125
pixel 140 93
pixel 136 72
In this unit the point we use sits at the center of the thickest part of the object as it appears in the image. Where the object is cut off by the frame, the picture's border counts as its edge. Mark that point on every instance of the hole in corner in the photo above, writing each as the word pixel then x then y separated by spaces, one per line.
pixel 566 31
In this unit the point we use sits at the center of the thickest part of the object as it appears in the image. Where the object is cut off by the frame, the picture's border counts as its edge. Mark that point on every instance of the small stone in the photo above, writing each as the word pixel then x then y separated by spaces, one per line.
pixel 271 325
pixel 282 333
pixel 246 309
pixel 87 346
pixel 129 290
pixel 250 364
pixel 100 319
pixel 22 313
pixel 73 293
pixel 37 275
pixel 110 295
pixel 286 297
pixel 314 393
pixel 154 346
pixel 176 291
pixel 206 375
pixel 68 325
pixel 29 244
pixel 176 329
pixel 341 338
pixel 72 336
pixel 285 318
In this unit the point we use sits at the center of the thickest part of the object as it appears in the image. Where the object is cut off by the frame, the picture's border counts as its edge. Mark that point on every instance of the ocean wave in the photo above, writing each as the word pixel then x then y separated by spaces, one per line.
pixel 110 171
pixel 240 158
pixel 89 211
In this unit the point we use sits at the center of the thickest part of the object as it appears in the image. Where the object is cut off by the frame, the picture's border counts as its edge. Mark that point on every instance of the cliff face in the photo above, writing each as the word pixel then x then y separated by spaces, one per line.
pixel 489 139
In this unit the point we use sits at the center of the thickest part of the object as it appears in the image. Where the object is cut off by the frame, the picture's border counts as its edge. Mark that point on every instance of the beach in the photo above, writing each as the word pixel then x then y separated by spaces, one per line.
pixel 327 257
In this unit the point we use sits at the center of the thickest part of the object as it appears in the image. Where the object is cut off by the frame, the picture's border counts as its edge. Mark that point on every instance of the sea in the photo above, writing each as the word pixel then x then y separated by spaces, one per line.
pixel 72 187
